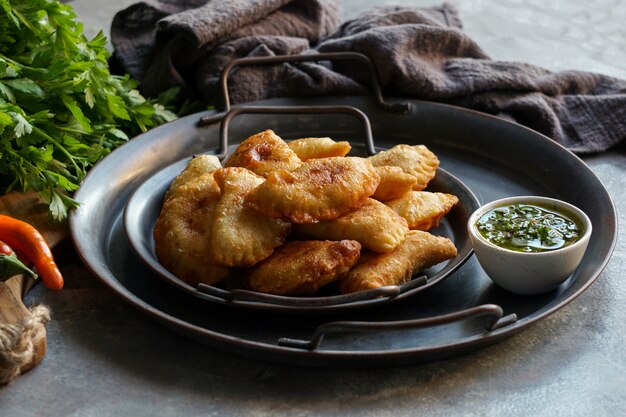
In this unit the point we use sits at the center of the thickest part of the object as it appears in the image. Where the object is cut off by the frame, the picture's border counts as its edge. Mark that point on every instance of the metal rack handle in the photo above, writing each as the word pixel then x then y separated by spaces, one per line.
pixel 397 107
pixel 245 296
pixel 223 144
pixel 494 313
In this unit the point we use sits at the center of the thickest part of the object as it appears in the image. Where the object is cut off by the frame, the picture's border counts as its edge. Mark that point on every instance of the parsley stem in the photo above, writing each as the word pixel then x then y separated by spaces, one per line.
pixel 60 147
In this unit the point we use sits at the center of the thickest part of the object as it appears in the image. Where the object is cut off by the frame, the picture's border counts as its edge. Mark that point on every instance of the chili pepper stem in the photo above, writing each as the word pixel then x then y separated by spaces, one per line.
pixel 11 266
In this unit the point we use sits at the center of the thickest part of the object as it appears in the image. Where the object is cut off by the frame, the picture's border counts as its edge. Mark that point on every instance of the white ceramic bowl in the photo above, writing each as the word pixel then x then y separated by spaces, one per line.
pixel 529 272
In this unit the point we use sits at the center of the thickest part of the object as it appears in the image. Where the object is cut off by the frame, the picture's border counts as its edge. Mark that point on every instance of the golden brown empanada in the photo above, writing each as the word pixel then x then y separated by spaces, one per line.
pixel 311 148
pixel 241 236
pixel 182 232
pixel 320 189
pixel 423 210
pixel 415 160
pixel 302 267
pixel 198 165
pixel 394 182
pixel 420 250
pixel 374 225
pixel 263 153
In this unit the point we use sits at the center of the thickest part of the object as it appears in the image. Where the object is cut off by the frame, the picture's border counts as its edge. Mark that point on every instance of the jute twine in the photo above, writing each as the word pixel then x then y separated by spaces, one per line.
pixel 17 349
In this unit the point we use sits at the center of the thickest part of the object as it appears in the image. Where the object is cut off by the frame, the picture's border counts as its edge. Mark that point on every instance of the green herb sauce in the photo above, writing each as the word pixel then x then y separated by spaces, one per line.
pixel 528 228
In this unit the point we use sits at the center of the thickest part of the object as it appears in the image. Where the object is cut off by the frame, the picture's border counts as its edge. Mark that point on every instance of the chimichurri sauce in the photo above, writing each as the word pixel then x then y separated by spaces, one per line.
pixel 528 228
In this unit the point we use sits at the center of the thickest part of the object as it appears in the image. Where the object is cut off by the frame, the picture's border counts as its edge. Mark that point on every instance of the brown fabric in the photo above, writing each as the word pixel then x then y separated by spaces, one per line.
pixel 419 53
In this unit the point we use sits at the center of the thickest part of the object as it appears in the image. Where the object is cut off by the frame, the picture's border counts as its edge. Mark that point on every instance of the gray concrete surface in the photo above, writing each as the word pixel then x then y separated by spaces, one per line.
pixel 105 358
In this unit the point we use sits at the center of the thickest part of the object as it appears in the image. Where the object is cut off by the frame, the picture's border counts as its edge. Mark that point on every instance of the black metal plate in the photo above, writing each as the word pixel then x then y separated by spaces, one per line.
pixel 493 157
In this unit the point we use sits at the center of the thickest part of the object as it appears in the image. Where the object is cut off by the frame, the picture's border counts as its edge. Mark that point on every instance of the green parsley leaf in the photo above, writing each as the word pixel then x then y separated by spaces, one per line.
pixel 22 127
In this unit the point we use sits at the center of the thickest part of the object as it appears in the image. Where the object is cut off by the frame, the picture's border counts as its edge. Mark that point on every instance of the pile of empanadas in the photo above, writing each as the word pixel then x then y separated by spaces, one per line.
pixel 295 217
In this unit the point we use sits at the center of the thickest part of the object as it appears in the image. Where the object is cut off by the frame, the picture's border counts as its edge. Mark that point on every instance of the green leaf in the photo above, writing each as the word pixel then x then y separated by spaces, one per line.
pixel 71 105
pixel 118 133
pixel 24 20
pixel 6 7
pixel 99 41
pixel 168 96
pixel 163 114
pixel 58 203
pixel 117 106
pixel 22 126
pixel 5 119
pixel 8 93
pixel 58 209
pixel 9 72
pixel 89 98
pixel 43 115
pixel 25 85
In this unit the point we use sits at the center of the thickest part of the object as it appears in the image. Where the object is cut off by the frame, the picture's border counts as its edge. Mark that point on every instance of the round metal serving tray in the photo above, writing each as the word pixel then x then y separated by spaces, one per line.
pixel 494 158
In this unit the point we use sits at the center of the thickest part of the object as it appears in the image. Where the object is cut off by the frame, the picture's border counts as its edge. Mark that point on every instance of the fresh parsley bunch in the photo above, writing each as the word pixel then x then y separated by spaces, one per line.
pixel 61 110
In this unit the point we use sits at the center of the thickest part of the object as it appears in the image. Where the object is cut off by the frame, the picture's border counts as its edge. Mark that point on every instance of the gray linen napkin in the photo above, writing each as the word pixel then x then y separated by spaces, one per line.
pixel 419 53
pixel 164 43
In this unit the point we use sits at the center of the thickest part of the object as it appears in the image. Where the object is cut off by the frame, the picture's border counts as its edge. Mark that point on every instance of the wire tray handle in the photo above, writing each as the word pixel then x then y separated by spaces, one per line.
pixel 494 313
pixel 367 128
pixel 393 107
pixel 325 56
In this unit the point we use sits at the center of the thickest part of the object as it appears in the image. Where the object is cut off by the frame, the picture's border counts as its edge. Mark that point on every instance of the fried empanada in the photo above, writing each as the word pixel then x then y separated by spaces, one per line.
pixel 201 164
pixel 320 189
pixel 423 210
pixel 182 232
pixel 394 182
pixel 374 225
pixel 416 160
pixel 302 267
pixel 420 250
pixel 241 236
pixel 263 153
pixel 311 148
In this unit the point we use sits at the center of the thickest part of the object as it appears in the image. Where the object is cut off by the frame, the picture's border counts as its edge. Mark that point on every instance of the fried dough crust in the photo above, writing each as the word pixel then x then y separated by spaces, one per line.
pixel 263 153
pixel 302 267
pixel 182 232
pixel 423 210
pixel 394 183
pixel 241 236
pixel 320 189
pixel 415 160
pixel 311 148
pixel 420 250
pixel 375 226
pixel 198 165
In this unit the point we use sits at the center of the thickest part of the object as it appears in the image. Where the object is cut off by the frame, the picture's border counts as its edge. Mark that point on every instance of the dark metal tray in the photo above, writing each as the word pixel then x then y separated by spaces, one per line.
pixel 493 157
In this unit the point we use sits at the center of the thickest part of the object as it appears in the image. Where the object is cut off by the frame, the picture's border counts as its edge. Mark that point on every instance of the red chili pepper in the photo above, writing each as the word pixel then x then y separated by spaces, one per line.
pixel 6 249
pixel 27 240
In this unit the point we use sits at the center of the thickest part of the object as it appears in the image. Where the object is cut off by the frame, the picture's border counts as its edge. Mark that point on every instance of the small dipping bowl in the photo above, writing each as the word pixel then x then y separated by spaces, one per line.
pixel 529 273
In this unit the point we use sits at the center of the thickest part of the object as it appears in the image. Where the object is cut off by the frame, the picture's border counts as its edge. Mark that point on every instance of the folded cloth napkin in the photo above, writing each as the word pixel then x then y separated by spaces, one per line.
pixel 419 53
